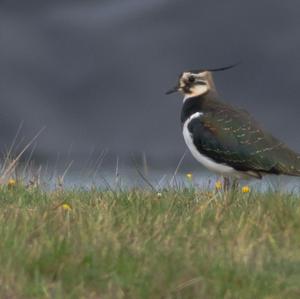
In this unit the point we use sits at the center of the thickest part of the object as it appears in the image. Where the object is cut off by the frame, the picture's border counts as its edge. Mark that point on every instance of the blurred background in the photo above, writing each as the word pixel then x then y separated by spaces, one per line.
pixel 94 73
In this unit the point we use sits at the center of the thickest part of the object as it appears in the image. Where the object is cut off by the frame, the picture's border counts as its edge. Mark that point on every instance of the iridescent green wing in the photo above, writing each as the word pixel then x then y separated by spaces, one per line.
pixel 233 138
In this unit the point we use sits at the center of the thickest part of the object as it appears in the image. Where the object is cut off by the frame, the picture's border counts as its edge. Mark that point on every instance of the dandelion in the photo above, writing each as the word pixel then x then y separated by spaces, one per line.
pixel 159 195
pixel 218 185
pixel 246 189
pixel 189 176
pixel 66 207
pixel 11 183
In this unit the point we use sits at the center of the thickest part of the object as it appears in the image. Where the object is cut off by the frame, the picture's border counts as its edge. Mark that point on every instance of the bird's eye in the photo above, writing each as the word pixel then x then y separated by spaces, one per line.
pixel 192 79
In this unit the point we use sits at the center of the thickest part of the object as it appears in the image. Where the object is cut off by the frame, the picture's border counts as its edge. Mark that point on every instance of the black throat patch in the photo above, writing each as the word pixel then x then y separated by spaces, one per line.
pixel 191 106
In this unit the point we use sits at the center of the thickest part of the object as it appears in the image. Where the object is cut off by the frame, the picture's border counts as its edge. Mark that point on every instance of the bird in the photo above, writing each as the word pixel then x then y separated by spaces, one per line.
pixel 225 139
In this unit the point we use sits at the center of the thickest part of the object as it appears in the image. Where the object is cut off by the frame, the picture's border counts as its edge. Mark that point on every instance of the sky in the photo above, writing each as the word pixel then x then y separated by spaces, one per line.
pixel 94 73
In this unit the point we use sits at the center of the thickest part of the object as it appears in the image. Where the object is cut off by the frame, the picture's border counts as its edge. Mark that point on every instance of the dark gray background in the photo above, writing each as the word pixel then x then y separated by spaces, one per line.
pixel 95 72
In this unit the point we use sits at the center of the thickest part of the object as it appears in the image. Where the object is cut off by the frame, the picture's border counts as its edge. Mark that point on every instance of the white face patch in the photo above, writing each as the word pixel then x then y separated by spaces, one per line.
pixel 198 90
pixel 193 89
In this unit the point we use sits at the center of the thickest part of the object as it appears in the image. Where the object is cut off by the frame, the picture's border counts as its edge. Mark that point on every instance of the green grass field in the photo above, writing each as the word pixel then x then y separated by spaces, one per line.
pixel 138 244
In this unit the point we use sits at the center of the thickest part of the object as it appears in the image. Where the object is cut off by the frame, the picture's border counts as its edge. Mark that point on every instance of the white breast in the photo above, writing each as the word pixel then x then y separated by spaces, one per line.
pixel 207 162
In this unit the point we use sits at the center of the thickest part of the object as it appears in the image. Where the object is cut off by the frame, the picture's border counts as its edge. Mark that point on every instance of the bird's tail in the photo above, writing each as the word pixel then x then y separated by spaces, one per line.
pixel 289 164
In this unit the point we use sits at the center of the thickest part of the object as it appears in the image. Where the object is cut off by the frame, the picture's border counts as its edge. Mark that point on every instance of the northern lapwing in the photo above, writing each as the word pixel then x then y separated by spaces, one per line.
pixel 227 140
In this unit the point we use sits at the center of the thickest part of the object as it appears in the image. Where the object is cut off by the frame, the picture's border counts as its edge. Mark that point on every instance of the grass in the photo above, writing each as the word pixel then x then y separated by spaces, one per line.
pixel 138 244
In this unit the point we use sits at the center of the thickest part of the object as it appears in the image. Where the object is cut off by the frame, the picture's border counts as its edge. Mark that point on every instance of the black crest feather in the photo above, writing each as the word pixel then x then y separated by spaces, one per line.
pixel 224 68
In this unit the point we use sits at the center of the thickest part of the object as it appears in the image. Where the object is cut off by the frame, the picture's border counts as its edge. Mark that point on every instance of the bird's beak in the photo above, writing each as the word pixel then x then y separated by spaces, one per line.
pixel 174 89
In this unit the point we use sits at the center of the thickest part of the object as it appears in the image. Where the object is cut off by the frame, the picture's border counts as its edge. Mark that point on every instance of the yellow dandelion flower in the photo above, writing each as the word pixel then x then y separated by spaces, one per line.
pixel 66 207
pixel 159 194
pixel 218 185
pixel 11 183
pixel 189 176
pixel 246 189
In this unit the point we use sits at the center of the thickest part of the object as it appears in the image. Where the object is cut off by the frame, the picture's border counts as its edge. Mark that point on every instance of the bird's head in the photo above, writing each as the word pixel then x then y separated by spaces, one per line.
pixel 197 82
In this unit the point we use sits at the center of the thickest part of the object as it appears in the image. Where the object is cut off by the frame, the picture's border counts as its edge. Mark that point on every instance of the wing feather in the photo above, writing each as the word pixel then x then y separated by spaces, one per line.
pixel 233 138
